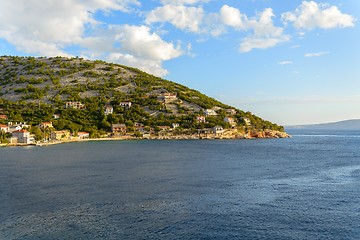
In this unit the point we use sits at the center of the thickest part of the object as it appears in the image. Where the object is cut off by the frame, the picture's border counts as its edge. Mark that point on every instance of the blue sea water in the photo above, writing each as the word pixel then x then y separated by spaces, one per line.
pixel 305 187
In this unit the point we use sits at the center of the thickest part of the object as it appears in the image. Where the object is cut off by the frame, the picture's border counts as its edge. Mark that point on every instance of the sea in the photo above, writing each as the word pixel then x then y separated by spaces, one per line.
pixel 304 187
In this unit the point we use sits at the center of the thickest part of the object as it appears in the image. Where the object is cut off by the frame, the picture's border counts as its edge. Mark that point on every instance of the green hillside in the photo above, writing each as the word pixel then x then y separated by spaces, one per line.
pixel 32 90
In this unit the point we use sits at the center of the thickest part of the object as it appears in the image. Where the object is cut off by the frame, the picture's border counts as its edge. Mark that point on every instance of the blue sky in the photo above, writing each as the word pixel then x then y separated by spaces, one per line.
pixel 291 62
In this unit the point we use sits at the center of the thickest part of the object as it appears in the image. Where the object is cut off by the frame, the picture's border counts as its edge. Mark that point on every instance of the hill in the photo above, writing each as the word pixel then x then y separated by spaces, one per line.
pixel 82 95
pixel 341 125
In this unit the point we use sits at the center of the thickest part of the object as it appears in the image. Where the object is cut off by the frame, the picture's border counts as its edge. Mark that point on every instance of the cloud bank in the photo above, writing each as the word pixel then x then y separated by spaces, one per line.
pixel 310 15
pixel 51 28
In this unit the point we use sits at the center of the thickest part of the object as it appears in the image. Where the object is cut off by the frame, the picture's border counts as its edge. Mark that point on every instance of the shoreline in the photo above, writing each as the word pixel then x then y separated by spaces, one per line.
pixel 258 135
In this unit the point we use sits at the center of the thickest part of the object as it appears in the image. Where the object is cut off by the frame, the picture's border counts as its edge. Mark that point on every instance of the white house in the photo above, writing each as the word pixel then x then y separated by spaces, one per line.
pixel 167 97
pixel 231 111
pixel 108 109
pixel 218 129
pixel 126 104
pixel 12 127
pixel 209 112
pixel 23 136
pixel 230 120
pixel 83 135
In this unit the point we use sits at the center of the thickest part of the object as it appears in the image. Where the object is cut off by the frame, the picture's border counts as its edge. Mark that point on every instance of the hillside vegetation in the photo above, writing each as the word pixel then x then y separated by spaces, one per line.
pixel 32 90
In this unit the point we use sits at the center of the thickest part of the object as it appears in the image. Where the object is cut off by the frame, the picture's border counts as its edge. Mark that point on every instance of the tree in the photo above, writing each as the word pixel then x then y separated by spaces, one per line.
pixel 37 132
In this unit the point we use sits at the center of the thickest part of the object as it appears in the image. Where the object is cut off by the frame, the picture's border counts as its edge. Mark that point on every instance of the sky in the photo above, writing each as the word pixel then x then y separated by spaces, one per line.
pixel 290 62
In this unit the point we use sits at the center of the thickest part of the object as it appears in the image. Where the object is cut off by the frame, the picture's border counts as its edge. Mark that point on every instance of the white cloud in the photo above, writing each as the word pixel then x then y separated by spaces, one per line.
pixel 251 43
pixel 44 23
pixel 191 19
pixel 212 25
pixel 310 15
pixel 130 45
pixel 285 62
pixel 181 2
pixel 49 28
pixel 232 17
pixel 121 5
pixel 184 18
pixel 265 34
pixel 263 24
pixel 52 24
pixel 196 20
pixel 142 43
pixel 149 66
pixel 317 54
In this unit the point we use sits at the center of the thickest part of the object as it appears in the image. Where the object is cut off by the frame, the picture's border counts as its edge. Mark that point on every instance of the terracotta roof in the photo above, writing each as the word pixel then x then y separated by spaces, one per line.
pixel 82 133
pixel 22 130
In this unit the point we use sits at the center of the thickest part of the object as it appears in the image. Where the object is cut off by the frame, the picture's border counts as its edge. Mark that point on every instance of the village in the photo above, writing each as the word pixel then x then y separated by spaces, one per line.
pixel 19 133
pixel 53 100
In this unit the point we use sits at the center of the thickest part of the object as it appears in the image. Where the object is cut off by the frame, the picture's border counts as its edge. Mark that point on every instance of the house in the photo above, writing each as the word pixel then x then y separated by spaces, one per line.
pixel 12 127
pixel 118 128
pixel 205 131
pixel 230 121
pixel 56 116
pixel 44 125
pixel 83 135
pixel 201 119
pixel 4 117
pixel 60 135
pixel 246 120
pixel 210 112
pixel 108 109
pixel 175 125
pixel 4 128
pixel 140 129
pixel 74 105
pixel 23 136
pixel 230 111
pixel 218 130
pixel 167 97
pixel 125 104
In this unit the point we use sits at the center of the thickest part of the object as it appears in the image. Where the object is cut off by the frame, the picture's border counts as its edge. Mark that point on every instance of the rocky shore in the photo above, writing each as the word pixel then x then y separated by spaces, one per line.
pixel 228 134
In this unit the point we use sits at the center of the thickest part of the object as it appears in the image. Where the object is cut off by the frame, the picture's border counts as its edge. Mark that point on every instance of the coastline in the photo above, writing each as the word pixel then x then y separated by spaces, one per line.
pixel 268 134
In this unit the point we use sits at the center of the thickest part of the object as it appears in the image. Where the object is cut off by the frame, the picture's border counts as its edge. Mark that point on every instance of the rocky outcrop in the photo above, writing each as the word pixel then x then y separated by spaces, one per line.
pixel 267 134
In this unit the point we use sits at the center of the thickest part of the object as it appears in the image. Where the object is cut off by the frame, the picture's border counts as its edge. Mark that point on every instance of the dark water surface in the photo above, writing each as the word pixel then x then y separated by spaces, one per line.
pixel 306 187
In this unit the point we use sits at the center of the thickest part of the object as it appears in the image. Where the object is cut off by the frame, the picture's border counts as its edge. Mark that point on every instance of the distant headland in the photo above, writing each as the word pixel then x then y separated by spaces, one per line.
pixel 353 124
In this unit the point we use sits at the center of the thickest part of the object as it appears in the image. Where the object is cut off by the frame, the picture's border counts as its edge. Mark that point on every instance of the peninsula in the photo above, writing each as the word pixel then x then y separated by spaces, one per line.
pixel 53 100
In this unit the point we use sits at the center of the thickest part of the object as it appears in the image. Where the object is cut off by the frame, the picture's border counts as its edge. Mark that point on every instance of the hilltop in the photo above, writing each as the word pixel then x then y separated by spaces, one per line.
pixel 81 95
